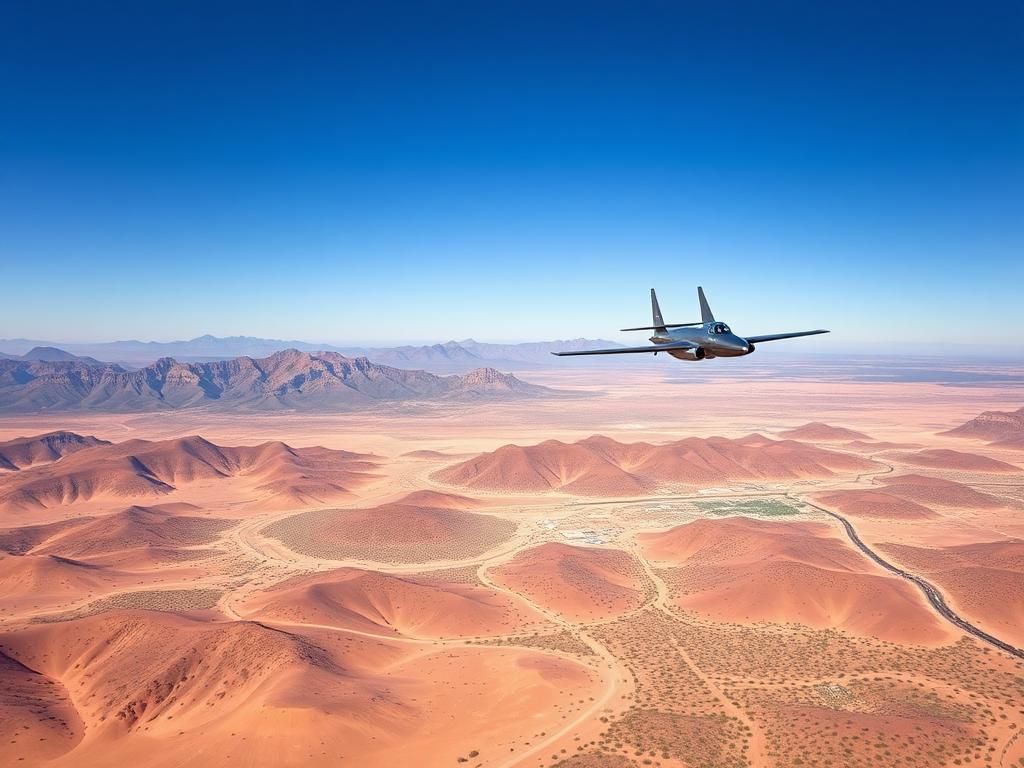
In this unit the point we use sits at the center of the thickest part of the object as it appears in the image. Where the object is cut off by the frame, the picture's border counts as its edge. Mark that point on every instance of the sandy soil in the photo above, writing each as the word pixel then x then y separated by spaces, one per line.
pixel 304 589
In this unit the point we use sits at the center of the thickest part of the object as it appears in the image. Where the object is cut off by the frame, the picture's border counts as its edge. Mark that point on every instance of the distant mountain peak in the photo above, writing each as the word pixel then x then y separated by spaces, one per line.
pixel 288 378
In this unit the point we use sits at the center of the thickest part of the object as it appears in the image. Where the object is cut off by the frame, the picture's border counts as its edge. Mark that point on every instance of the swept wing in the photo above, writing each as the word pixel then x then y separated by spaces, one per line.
pixel 629 350
pixel 777 336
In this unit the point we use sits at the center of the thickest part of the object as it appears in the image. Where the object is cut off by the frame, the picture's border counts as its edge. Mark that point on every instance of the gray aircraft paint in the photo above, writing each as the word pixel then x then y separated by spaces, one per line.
pixel 705 340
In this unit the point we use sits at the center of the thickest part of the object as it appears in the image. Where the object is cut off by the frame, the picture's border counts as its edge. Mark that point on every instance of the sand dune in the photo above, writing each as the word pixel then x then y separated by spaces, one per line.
pixel 581 583
pixel 938 491
pixel 943 458
pixel 817 431
pixel 28 581
pixel 20 541
pixel 421 527
pixel 985 580
pixel 743 570
pixel 158 672
pixel 41 449
pixel 431 455
pixel 158 530
pixel 38 717
pixel 167 690
pixel 600 466
pixel 874 446
pixel 371 601
pixel 907 497
pixel 141 468
pixel 878 504
pixel 438 499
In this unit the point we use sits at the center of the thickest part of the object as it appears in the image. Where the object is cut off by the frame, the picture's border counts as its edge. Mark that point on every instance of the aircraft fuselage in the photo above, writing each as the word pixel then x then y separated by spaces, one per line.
pixel 711 339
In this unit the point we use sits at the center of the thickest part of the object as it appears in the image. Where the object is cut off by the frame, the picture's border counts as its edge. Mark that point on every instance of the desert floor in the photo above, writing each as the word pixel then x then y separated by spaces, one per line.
pixel 695 624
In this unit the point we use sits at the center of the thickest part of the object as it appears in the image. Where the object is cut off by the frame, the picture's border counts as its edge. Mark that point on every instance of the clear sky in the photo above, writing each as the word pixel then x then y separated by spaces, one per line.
pixel 407 172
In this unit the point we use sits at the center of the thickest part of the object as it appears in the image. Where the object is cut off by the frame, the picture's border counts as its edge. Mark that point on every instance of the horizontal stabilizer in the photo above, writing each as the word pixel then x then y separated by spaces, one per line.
pixel 629 350
pixel 777 336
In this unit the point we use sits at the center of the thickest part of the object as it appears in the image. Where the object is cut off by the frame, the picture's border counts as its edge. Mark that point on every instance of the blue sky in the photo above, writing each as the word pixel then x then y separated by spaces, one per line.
pixel 407 172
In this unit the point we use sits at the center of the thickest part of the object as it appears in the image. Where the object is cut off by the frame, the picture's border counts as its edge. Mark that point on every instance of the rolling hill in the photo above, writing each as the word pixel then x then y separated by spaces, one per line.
pixel 818 431
pixel 1000 427
pixel 41 449
pixel 600 466
pixel 142 468
pixel 958 461
pixel 386 604
pixel 744 570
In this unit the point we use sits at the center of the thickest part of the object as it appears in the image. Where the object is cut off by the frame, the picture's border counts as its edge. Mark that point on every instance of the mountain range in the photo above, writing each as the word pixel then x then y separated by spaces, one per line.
pixel 451 357
pixel 289 379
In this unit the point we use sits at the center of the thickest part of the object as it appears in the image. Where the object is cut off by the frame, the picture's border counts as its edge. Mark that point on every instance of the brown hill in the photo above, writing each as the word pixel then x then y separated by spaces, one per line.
pixel 579 583
pixel 41 449
pixel 601 466
pixel 159 689
pixel 871 503
pixel 160 673
pixel 819 431
pixel 907 497
pixel 742 570
pixel 985 580
pixel 942 458
pixel 937 491
pixel 159 529
pixel 437 499
pixel 38 715
pixel 431 455
pixel 994 426
pixel 420 527
pixel 286 379
pixel 140 468
pixel 370 601
pixel 37 579
pixel 23 539
pixel 873 446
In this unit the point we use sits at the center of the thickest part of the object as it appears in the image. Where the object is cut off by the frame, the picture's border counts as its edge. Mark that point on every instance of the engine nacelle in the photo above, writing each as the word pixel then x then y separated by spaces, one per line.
pixel 697 353
pixel 750 347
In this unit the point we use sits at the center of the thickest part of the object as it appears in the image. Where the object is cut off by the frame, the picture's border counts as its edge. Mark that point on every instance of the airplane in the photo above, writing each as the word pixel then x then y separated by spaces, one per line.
pixel 705 340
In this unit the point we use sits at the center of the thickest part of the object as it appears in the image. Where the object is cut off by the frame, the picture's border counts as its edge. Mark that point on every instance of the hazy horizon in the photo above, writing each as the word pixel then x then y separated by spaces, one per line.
pixel 814 348
pixel 516 175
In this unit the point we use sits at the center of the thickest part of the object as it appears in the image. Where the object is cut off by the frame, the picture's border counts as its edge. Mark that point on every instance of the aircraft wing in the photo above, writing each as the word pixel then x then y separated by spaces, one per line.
pixel 629 350
pixel 777 336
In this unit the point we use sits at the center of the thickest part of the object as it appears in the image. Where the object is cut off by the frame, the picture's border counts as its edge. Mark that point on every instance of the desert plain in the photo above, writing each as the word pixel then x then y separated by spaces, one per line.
pixel 669 566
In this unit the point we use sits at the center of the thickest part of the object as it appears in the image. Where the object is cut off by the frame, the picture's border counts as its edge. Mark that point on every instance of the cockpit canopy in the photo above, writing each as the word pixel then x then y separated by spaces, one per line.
pixel 720 328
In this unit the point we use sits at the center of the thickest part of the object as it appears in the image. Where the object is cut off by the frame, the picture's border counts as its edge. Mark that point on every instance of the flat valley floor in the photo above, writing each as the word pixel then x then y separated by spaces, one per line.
pixel 747 587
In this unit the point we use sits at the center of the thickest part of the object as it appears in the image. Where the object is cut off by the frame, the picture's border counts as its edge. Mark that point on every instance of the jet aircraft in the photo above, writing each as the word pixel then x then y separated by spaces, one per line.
pixel 705 340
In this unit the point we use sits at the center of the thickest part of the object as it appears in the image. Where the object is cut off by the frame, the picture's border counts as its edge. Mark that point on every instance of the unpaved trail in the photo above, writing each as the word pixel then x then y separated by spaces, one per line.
pixel 616 673
pixel 757 749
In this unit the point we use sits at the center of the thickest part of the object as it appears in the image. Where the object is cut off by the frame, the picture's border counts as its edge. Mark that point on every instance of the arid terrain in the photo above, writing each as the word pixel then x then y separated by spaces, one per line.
pixel 661 565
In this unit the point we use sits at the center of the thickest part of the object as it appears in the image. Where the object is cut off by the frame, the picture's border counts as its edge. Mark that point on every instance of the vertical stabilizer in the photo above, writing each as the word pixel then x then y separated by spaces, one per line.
pixel 659 322
pixel 705 310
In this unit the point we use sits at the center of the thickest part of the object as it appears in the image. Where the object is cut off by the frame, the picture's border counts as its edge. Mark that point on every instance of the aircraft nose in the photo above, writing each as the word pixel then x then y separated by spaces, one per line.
pixel 738 344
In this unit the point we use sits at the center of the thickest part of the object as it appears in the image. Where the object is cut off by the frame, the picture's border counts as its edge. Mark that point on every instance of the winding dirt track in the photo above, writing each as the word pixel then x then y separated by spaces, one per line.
pixel 758 747
pixel 613 683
